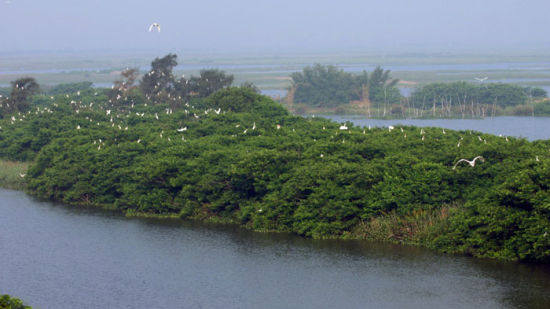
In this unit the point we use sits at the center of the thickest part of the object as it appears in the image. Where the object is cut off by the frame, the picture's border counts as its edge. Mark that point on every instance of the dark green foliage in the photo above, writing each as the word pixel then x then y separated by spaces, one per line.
pixel 239 157
pixel 21 92
pixel 209 81
pixel 159 85
pixel 535 92
pixel 68 88
pixel 327 86
pixel 245 99
pixel 476 100
pixel 8 302
pixel 542 108
pixel 160 78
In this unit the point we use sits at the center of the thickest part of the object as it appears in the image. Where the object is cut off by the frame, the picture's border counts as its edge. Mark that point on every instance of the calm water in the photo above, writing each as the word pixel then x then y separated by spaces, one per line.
pixel 532 128
pixel 54 256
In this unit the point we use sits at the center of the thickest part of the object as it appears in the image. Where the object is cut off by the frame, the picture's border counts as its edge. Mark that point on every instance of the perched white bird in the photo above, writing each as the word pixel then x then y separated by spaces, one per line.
pixel 472 163
pixel 390 128
pixel 22 175
pixel 154 25
pixel 181 129
pixel 343 127
pixel 278 126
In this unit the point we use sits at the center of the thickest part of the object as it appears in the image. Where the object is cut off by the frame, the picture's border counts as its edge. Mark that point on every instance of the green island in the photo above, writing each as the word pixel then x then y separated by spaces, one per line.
pixel 201 149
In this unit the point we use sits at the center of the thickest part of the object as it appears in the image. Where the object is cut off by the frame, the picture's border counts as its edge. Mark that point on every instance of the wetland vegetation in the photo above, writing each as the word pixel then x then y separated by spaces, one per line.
pixel 198 148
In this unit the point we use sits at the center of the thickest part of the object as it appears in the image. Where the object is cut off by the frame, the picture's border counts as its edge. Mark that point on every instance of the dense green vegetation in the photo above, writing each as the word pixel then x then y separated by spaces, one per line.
pixel 475 100
pixel 8 302
pixel 324 89
pixel 327 86
pixel 236 156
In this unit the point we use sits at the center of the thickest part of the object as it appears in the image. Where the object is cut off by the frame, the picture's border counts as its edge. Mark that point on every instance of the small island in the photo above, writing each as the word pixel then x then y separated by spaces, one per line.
pixel 202 149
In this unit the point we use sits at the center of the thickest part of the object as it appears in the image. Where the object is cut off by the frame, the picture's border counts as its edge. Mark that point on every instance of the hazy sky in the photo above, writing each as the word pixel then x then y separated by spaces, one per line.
pixel 274 25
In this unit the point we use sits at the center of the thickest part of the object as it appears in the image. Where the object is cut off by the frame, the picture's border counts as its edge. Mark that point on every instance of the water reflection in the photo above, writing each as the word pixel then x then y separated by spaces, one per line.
pixel 66 257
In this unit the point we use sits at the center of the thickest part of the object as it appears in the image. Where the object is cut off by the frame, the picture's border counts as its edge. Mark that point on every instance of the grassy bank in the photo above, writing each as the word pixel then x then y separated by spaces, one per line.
pixel 10 174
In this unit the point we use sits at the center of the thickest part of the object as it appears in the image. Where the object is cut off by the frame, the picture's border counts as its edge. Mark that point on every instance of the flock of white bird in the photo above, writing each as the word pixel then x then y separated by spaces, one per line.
pixel 113 119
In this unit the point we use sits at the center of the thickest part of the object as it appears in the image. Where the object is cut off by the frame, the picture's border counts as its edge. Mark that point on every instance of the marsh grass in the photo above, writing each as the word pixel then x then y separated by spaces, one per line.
pixel 411 228
pixel 10 177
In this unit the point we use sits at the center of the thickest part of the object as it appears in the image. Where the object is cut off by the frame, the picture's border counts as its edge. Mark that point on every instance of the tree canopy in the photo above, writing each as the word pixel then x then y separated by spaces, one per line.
pixel 328 86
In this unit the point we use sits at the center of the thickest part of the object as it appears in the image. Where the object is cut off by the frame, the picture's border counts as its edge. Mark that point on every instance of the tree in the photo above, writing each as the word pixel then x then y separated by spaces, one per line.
pixel 123 85
pixel 250 85
pixel 21 92
pixel 209 81
pixel 160 79
pixel 328 86
pixel 69 88
pixel 382 89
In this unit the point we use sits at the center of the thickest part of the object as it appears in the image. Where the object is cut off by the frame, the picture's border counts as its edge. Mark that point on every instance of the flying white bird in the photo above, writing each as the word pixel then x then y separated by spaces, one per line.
pixel 343 127
pixel 154 25
pixel 472 163
pixel 481 79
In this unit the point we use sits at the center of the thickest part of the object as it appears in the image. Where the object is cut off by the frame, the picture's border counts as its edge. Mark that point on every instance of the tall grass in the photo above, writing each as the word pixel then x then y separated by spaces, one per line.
pixel 410 228
pixel 10 174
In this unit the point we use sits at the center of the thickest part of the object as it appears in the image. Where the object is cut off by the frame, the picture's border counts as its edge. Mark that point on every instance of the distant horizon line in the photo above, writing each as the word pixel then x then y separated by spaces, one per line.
pixel 531 51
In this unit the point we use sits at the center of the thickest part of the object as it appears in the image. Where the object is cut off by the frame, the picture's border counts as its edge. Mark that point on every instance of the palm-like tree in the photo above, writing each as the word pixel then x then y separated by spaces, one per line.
pixel 21 91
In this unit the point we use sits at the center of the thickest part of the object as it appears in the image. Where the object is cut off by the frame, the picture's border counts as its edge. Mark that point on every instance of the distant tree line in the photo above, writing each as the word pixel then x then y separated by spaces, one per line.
pixel 328 86
pixel 477 100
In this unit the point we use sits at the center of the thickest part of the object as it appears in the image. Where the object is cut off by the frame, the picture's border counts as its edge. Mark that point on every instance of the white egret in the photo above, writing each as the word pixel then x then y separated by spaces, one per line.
pixel 472 163
pixel 181 129
pixel 154 25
